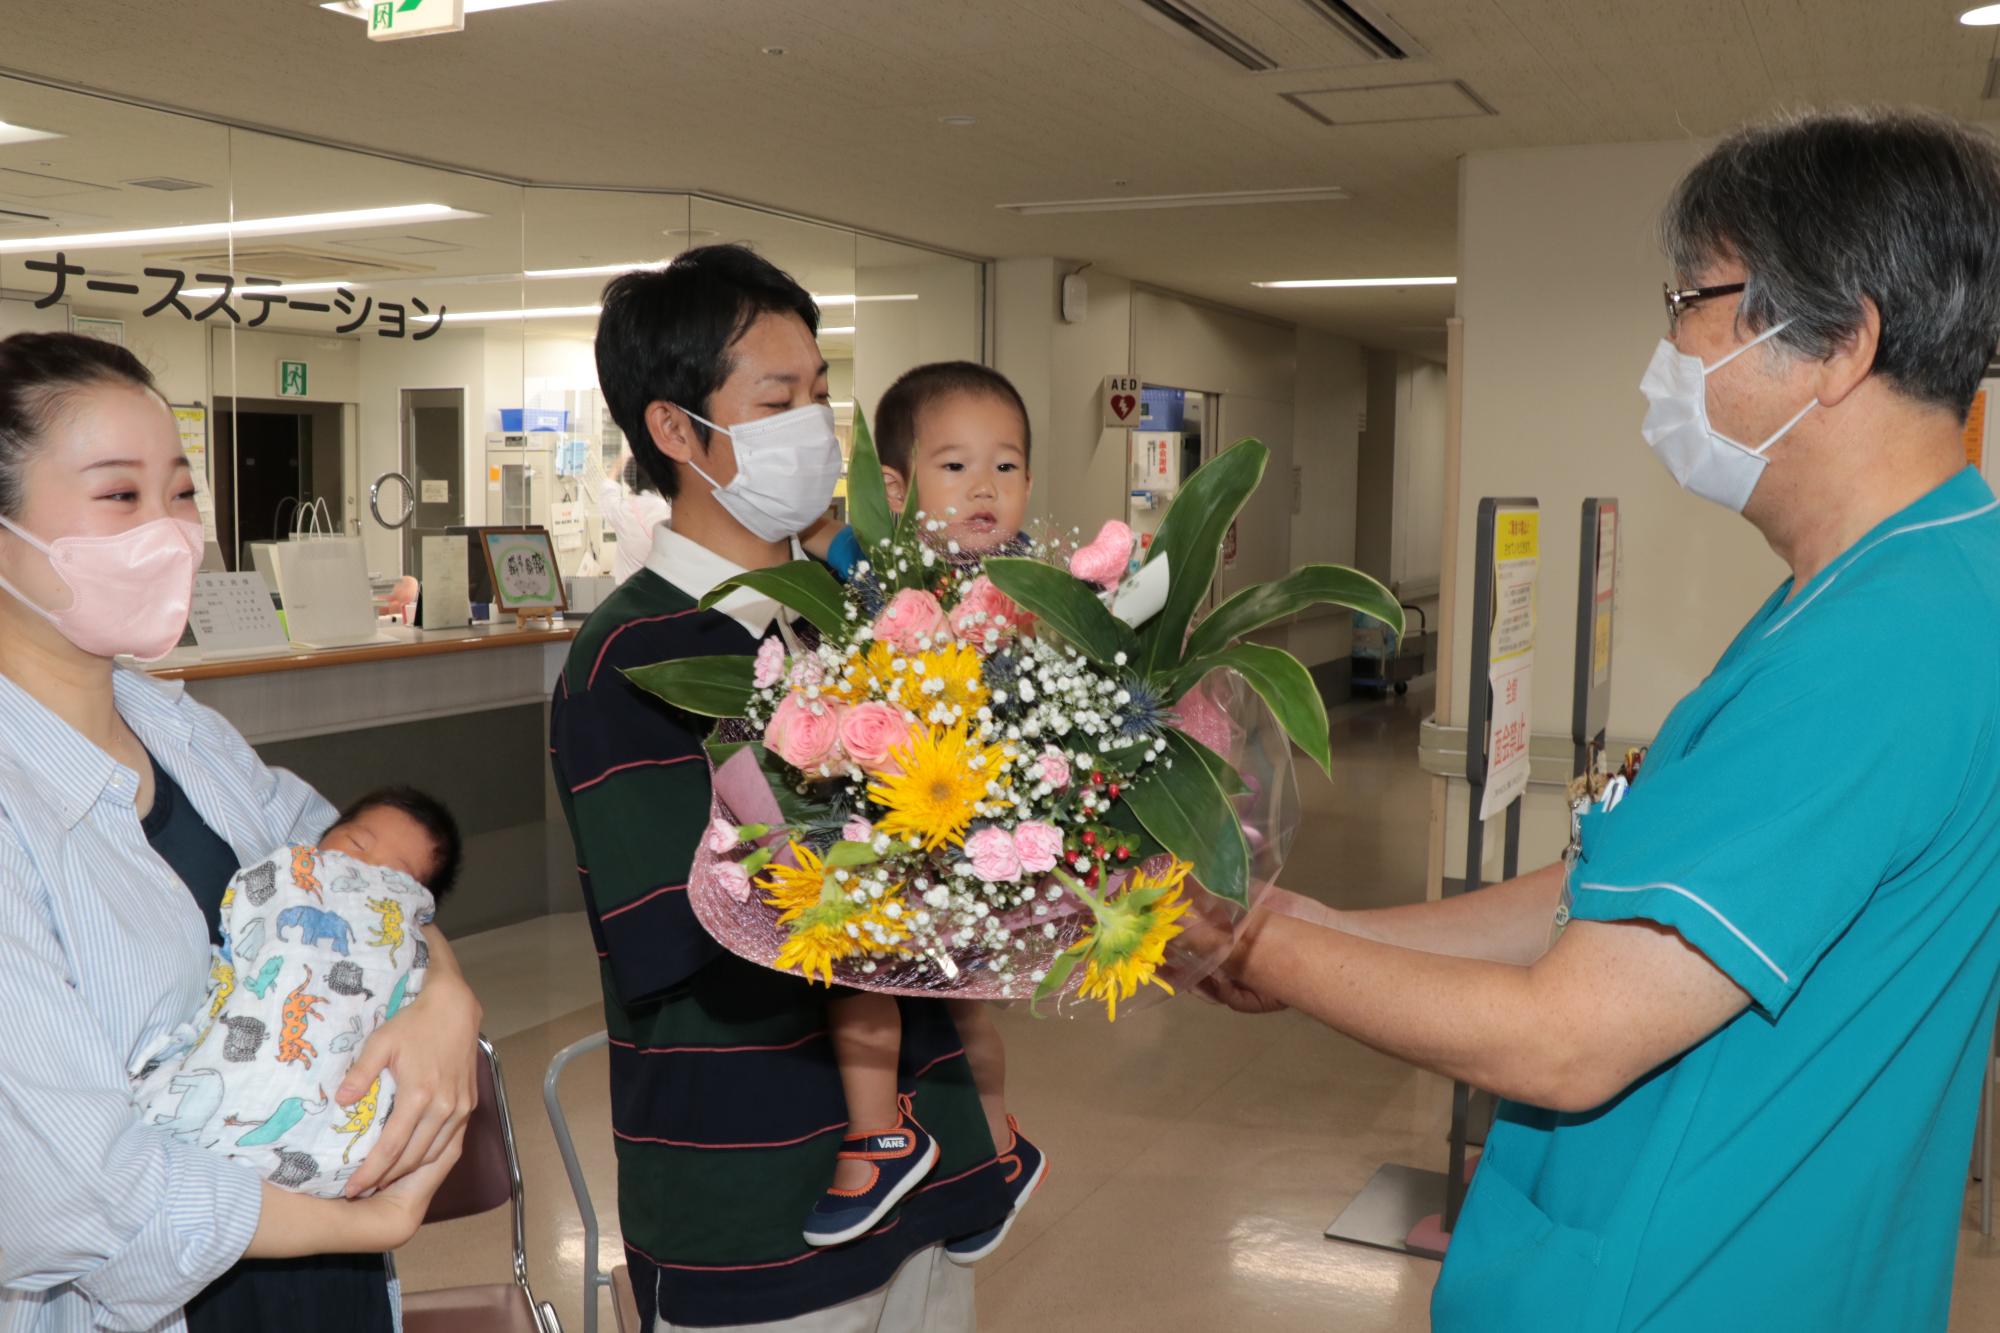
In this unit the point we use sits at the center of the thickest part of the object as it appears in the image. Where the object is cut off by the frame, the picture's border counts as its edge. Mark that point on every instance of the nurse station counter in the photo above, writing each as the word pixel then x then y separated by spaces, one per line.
pixel 460 713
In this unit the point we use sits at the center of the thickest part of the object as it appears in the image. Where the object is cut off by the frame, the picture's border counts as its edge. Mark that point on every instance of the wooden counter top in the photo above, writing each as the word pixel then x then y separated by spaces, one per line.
pixel 409 643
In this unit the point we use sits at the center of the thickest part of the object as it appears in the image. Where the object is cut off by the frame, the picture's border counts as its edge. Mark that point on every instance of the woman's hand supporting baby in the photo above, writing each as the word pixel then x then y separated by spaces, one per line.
pixel 292 1225
pixel 432 1049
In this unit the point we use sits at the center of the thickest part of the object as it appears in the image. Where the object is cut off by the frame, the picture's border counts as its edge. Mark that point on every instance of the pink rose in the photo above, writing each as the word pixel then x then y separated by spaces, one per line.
pixel 982 607
pixel 857 829
pixel 1054 769
pixel 1103 562
pixel 770 664
pixel 799 736
pixel 734 878
pixel 1038 845
pixel 868 732
pixel 912 614
pixel 992 854
pixel 721 836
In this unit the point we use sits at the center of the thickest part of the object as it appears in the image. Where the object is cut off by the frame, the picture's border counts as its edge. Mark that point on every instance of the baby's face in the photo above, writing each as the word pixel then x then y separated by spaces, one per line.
pixel 972 469
pixel 385 836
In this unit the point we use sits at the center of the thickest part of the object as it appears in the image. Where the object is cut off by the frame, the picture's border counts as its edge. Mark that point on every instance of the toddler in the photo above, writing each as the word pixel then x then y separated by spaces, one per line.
pixel 960 432
pixel 320 946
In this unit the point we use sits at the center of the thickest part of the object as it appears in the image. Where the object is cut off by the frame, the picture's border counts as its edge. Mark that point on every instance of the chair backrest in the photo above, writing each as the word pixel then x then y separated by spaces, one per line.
pixel 488 1174
pixel 593 1279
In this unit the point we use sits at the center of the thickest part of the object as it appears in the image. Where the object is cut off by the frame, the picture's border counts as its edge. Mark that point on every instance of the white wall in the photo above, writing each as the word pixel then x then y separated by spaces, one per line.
pixel 1298 391
pixel 890 337
pixel 1558 287
pixel 1416 535
pixel 1330 388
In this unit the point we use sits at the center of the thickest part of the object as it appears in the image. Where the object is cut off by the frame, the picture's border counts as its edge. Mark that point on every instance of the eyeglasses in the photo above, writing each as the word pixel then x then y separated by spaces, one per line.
pixel 1679 299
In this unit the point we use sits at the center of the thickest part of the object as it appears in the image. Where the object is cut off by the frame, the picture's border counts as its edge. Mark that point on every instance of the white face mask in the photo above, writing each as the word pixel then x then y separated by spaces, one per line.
pixel 1676 428
pixel 786 469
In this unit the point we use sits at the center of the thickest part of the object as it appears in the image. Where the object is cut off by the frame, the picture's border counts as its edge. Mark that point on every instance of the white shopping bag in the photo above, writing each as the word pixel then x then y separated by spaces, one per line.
pixel 323 583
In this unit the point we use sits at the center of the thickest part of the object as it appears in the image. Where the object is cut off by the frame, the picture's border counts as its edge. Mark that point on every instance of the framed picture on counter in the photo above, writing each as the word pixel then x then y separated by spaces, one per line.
pixel 522 564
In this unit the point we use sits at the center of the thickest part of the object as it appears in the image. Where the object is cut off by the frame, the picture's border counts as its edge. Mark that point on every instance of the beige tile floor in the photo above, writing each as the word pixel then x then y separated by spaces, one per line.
pixel 1197 1156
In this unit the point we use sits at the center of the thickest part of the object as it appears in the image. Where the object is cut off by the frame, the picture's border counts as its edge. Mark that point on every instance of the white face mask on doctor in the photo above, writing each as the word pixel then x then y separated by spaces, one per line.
pixel 1702 459
pixel 786 469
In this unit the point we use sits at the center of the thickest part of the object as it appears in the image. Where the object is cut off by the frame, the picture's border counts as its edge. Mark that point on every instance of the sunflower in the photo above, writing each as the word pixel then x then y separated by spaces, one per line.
pixel 827 925
pixel 941 788
pixel 1129 944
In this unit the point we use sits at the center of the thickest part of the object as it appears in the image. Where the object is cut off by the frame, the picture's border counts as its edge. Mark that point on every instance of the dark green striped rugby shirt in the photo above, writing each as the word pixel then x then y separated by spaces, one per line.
pixel 726 1102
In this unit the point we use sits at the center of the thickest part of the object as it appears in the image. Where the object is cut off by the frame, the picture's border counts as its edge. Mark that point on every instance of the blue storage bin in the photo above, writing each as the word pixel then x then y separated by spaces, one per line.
pixel 514 419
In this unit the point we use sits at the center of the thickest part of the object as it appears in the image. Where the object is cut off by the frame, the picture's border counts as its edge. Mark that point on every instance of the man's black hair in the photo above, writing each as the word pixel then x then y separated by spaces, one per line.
pixel 665 336
pixel 430 814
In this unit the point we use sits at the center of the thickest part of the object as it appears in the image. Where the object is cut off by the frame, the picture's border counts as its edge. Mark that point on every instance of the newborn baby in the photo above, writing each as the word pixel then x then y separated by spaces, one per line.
pixel 320 946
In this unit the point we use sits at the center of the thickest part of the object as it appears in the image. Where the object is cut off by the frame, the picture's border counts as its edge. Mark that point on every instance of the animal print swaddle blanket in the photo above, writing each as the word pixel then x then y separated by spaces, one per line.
pixel 318 951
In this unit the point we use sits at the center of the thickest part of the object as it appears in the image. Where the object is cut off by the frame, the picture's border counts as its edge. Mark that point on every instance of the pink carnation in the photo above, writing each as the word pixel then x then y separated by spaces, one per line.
pixel 1054 769
pixel 734 878
pixel 982 607
pixel 799 736
pixel 869 732
pixel 770 664
pixel 911 615
pixel 1038 845
pixel 857 829
pixel 1103 562
pixel 992 854
pixel 721 836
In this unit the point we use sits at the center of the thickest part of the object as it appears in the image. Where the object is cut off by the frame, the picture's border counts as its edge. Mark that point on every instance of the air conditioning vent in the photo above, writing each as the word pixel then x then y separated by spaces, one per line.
pixel 1200 26
pixel 1370 32
pixel 171 184
pixel 289 262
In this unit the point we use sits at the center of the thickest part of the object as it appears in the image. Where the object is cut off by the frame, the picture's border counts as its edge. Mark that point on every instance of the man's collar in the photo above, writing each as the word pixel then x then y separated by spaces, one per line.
pixel 695 569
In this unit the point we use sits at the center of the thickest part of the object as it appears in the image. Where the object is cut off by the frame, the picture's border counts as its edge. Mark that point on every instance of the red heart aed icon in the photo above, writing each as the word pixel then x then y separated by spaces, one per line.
pixel 1122 404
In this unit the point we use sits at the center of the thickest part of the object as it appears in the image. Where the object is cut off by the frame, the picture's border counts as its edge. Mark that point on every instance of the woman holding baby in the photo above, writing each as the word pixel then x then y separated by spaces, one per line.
pixel 125 807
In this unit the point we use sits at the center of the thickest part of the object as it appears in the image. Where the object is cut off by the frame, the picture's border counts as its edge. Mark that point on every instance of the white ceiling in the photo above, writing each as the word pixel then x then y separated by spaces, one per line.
pixel 1069 97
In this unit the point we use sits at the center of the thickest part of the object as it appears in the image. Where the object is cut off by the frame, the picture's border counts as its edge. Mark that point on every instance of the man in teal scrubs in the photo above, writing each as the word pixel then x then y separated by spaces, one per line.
pixel 1740 1084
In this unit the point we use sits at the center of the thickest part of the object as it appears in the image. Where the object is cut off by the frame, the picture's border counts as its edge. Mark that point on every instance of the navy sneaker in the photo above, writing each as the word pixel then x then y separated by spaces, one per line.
pixel 1026 1168
pixel 898 1160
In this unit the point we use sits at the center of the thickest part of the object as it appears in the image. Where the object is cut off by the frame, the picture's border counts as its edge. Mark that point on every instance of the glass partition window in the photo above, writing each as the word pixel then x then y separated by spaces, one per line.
pixel 331 324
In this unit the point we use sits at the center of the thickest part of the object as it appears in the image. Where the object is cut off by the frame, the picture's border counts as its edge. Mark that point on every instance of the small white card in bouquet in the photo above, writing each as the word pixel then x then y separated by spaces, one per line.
pixel 1140 597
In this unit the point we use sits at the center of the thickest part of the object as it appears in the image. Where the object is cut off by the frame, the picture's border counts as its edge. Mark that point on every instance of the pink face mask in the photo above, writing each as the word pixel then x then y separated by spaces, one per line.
pixel 129 592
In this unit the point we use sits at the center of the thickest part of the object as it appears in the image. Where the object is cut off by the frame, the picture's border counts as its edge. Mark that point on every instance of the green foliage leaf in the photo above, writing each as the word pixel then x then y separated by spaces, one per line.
pixel 1185 809
pixel 1284 684
pixel 1066 603
pixel 845 855
pixel 906 522
pixel 1307 586
pixel 806 586
pixel 867 498
pixel 709 686
pixel 1191 538
pixel 1226 777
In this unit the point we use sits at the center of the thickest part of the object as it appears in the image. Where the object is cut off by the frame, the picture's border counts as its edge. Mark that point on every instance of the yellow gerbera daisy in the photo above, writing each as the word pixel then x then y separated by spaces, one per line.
pixel 866 675
pixel 951 676
pixel 1128 946
pixel 943 783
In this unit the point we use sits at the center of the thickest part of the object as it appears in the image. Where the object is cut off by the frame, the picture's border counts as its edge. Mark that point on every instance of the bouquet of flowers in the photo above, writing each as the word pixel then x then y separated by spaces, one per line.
pixel 999 776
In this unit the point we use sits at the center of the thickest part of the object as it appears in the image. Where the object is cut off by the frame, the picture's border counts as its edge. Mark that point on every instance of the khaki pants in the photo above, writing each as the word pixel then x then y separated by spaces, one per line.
pixel 929 1294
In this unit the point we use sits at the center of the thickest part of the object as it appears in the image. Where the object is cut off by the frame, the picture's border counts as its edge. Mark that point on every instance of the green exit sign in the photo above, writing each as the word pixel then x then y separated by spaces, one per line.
pixel 390 20
pixel 291 379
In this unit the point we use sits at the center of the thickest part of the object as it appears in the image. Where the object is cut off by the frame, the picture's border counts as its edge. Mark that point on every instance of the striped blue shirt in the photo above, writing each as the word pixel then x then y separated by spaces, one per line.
pixel 107 1223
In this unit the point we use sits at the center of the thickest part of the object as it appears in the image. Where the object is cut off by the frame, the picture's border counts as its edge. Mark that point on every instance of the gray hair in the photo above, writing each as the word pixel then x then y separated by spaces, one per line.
pixel 1823 209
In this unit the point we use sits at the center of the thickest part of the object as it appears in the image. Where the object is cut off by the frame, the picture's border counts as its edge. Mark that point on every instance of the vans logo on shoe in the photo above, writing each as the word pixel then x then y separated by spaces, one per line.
pixel 890 1142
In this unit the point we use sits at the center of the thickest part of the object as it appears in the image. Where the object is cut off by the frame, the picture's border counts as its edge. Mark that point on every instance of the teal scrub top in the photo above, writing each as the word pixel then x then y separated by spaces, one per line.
pixel 1821 818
